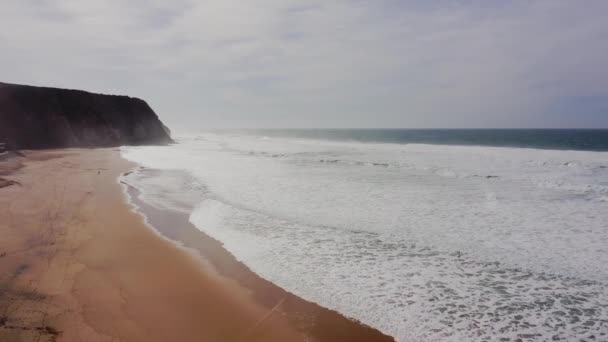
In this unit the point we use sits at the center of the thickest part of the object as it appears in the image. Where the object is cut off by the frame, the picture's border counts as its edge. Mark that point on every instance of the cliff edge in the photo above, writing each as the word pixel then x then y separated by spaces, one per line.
pixel 40 117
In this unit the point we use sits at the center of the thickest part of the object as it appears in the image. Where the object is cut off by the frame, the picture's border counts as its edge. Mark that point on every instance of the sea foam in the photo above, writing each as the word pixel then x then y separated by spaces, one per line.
pixel 425 242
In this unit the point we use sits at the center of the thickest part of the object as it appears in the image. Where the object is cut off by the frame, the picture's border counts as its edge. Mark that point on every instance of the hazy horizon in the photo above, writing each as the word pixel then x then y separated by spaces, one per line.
pixel 323 64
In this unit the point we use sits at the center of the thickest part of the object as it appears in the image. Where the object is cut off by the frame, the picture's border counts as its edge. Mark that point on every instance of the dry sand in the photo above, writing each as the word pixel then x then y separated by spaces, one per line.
pixel 77 264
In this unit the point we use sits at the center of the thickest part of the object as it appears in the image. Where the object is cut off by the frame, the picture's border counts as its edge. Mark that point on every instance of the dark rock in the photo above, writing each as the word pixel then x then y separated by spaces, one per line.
pixel 37 117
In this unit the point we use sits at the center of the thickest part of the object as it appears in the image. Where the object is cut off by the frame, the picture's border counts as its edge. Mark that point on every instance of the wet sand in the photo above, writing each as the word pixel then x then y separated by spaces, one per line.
pixel 78 264
pixel 320 323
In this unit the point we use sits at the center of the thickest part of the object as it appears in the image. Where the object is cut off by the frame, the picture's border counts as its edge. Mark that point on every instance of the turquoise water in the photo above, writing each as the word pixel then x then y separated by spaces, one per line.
pixel 554 139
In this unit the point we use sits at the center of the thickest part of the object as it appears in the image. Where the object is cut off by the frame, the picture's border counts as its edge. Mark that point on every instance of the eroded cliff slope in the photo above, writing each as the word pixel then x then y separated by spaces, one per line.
pixel 39 117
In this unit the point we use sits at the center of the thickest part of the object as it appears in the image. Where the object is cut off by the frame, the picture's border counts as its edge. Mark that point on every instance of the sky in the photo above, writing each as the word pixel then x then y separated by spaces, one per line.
pixel 322 63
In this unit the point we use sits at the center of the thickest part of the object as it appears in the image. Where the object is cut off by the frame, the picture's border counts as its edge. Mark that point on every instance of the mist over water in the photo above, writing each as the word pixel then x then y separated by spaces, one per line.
pixel 424 242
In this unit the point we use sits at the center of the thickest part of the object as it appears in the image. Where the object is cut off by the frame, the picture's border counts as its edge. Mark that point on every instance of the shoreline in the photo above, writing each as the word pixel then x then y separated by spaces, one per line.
pixel 79 265
pixel 320 323
pixel 77 262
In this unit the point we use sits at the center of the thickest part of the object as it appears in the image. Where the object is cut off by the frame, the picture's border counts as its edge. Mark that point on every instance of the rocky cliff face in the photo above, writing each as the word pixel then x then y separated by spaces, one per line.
pixel 37 117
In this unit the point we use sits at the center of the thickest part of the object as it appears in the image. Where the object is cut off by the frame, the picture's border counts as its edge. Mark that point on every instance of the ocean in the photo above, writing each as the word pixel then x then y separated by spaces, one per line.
pixel 555 139
pixel 426 235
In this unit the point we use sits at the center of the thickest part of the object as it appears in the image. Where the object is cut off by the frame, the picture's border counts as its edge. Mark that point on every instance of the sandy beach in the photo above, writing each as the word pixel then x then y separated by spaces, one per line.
pixel 78 264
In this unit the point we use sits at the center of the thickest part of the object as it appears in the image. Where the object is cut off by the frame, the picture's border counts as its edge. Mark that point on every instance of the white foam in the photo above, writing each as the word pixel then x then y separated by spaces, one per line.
pixel 431 243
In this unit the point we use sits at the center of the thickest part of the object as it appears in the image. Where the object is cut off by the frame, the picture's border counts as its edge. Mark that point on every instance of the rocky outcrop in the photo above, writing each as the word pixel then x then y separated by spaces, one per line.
pixel 37 117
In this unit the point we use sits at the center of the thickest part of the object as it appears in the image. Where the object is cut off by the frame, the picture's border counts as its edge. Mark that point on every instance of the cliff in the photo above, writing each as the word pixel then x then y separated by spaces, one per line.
pixel 38 117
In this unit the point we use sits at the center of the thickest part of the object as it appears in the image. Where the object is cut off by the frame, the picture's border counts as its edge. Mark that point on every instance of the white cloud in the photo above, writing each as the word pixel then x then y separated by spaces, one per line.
pixel 319 63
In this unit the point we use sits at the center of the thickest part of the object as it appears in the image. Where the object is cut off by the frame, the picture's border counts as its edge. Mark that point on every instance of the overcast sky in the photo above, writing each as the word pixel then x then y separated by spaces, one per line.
pixel 322 63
